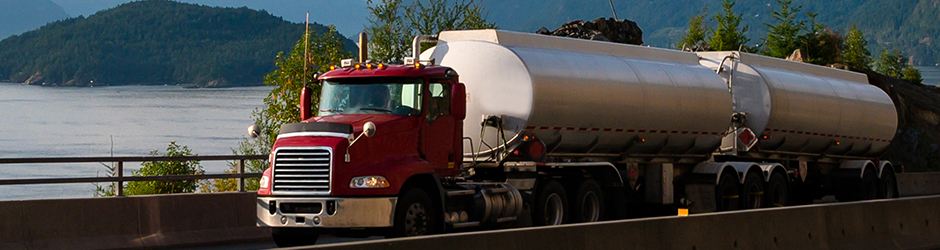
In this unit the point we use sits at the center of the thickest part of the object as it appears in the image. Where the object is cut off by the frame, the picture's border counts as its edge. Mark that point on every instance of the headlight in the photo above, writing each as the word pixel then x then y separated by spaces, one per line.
pixel 374 181
pixel 264 181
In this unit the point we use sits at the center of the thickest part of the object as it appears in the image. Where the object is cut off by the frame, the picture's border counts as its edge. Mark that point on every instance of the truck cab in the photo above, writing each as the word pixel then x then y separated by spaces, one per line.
pixel 382 137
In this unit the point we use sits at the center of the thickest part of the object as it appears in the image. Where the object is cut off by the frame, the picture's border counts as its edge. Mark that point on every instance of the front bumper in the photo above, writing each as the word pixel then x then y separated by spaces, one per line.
pixel 349 212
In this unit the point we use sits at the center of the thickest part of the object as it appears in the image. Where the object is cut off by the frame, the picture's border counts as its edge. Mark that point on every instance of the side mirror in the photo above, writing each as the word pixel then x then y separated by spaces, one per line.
pixel 458 101
pixel 254 131
pixel 368 129
pixel 305 109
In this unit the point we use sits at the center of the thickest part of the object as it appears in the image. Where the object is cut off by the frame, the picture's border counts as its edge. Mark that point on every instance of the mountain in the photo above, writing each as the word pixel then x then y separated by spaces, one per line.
pixel 912 26
pixel 349 16
pixel 18 16
pixel 152 42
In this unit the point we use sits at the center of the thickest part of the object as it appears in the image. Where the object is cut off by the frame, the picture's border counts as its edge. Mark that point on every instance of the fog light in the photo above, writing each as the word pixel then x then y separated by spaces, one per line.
pixel 316 220
pixel 284 220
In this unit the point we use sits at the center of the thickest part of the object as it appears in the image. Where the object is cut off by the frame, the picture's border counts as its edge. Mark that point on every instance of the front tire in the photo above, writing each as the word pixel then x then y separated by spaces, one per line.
pixel 292 237
pixel 414 215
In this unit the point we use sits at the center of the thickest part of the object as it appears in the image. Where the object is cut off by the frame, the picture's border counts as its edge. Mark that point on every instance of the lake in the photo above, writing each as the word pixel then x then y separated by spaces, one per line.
pixel 930 74
pixel 81 122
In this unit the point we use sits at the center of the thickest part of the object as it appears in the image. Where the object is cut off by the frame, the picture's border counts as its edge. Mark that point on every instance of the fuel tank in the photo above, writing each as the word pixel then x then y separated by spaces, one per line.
pixel 581 96
pixel 800 107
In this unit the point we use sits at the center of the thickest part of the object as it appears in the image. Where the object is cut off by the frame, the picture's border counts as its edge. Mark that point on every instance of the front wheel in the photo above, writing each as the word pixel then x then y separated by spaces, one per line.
pixel 414 215
pixel 292 237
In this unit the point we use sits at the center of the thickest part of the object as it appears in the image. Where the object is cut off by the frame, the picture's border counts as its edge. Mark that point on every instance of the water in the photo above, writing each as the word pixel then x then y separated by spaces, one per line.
pixel 930 74
pixel 80 122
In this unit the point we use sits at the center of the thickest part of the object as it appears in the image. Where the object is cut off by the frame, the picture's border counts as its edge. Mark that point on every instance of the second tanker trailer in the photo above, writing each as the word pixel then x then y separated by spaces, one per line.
pixel 494 128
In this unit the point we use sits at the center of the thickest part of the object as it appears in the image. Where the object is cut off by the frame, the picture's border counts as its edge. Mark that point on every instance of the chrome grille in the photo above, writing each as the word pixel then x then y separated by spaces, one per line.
pixel 302 170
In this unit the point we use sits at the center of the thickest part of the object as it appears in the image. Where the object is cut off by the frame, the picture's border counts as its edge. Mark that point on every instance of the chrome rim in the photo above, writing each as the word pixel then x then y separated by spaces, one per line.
pixel 590 209
pixel 554 210
pixel 416 220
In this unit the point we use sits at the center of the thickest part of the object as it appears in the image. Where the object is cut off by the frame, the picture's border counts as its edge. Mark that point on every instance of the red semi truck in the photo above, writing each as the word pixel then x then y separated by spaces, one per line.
pixel 493 129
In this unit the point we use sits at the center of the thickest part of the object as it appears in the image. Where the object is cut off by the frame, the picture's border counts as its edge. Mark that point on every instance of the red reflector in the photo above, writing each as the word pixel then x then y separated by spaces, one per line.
pixel 536 150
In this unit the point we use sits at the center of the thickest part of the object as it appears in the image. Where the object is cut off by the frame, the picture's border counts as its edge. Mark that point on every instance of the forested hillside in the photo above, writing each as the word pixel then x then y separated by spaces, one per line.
pixel 152 42
pixel 910 25
pixel 18 16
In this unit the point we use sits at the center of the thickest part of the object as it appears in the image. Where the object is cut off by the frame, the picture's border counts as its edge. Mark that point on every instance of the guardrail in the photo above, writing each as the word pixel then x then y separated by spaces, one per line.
pixel 119 177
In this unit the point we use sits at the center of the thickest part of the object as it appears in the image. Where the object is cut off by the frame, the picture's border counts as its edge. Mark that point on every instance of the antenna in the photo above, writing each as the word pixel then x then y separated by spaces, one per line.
pixel 612 9
pixel 306 53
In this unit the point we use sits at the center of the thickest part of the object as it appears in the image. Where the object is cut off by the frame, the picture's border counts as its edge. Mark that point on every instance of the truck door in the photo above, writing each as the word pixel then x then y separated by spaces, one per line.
pixel 438 130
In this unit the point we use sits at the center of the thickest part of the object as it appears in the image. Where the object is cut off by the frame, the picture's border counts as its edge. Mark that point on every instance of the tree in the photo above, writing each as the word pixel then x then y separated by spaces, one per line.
pixel 393 25
pixel 727 36
pixel 160 168
pixel 695 37
pixel 389 40
pixel 820 45
pixel 895 64
pixel 281 105
pixel 782 37
pixel 855 51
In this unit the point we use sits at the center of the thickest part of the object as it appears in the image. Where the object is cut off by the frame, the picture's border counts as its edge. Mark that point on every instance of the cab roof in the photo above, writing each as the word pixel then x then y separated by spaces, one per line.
pixel 387 71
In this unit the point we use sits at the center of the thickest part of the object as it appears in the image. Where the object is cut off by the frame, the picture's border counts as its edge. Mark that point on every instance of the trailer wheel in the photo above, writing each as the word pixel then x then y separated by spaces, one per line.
pixel 588 204
pixel 551 204
pixel 414 215
pixel 870 188
pixel 727 195
pixel 292 237
pixel 889 185
pixel 776 194
pixel 753 193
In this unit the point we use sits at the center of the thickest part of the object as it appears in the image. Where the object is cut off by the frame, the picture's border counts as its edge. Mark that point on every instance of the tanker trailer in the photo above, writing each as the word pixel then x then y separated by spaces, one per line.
pixel 494 128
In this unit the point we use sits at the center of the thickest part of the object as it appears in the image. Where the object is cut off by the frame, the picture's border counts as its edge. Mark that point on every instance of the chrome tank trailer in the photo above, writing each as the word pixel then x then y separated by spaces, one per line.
pixel 804 108
pixel 585 97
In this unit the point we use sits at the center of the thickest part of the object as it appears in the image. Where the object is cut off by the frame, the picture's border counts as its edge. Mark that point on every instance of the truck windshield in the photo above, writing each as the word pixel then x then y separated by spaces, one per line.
pixel 372 96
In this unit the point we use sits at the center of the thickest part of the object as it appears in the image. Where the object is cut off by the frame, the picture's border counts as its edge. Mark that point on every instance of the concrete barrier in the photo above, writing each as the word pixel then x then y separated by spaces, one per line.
pixel 918 184
pixel 906 223
pixel 129 222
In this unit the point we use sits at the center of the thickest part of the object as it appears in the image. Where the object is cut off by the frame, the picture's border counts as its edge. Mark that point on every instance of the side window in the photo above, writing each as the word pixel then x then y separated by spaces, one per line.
pixel 439 101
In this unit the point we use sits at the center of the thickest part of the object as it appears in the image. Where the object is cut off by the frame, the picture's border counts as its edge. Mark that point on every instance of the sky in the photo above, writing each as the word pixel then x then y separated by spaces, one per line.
pixel 349 16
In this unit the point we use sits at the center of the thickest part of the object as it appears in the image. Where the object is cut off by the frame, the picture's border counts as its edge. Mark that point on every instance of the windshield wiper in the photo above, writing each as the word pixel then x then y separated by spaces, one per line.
pixel 331 110
pixel 377 109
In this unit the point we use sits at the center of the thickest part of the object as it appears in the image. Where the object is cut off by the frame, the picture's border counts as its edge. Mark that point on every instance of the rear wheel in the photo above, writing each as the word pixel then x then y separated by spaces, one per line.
pixel 889 184
pixel 870 187
pixel 727 195
pixel 753 193
pixel 551 204
pixel 414 215
pixel 292 237
pixel 588 204
pixel 776 194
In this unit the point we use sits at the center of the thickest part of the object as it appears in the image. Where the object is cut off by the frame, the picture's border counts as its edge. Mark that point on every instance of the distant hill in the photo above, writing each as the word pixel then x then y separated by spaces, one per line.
pixel 152 42
pixel 910 25
pixel 18 16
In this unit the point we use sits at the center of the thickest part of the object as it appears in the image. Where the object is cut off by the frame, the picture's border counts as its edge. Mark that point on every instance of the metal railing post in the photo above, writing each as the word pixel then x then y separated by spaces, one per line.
pixel 119 188
pixel 241 175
